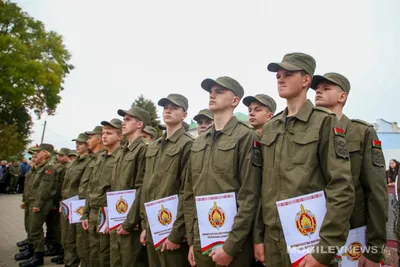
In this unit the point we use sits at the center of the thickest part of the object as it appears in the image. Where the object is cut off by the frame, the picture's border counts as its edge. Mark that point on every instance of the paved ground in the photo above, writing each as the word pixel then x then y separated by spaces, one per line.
pixel 12 230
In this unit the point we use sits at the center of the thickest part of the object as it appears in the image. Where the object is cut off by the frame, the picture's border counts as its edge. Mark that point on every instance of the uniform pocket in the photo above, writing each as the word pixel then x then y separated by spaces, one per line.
pixel 268 142
pixel 305 148
pixel 225 155
pixel 150 158
pixel 197 156
pixel 171 160
pixel 353 146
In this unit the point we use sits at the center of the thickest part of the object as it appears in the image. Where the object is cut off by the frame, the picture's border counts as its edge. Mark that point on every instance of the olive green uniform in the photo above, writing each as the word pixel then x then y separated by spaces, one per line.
pixel 26 195
pixel 15 172
pixel 99 185
pixel 368 172
pixel 166 165
pixel 44 187
pixel 223 162
pixel 82 236
pixel 70 188
pixel 128 173
pixel 303 154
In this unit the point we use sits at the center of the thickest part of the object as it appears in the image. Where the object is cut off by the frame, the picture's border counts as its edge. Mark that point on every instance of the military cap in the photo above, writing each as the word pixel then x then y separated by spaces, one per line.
pixel 136 112
pixel 226 82
pixel 82 138
pixel 151 131
pixel 185 126
pixel 63 151
pixel 332 77
pixel 265 100
pixel 31 150
pixel 46 147
pixel 96 130
pixel 73 153
pixel 115 123
pixel 176 99
pixel 162 127
pixel 204 113
pixel 295 62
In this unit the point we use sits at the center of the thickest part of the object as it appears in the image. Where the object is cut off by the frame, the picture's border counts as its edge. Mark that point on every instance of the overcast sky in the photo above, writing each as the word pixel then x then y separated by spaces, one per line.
pixel 121 49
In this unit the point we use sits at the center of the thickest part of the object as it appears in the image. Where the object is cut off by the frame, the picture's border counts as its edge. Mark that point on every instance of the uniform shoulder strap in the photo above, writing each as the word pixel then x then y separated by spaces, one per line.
pixel 324 110
pixel 362 122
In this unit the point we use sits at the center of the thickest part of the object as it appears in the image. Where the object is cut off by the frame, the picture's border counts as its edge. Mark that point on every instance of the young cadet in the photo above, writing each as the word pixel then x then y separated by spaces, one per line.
pixel 82 235
pixel 128 172
pixel 166 161
pixel 150 134
pixel 204 119
pixel 96 198
pixel 44 187
pixel 224 159
pixel 303 152
pixel 72 155
pixel 70 188
pixel 367 165
pixel 261 110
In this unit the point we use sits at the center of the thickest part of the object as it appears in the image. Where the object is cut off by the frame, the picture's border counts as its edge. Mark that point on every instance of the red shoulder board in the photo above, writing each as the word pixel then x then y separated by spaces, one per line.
pixel 338 131
pixel 256 144
pixel 49 172
pixel 376 143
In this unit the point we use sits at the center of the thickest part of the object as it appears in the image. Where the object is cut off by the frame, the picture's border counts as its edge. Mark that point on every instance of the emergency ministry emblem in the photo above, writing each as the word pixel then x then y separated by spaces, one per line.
pixel 80 210
pixel 354 252
pixel 306 223
pixel 164 216
pixel 121 206
pixel 216 216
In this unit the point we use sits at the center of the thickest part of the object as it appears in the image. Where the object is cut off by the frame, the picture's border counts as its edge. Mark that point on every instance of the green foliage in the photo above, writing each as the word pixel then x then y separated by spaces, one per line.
pixel 11 143
pixel 149 105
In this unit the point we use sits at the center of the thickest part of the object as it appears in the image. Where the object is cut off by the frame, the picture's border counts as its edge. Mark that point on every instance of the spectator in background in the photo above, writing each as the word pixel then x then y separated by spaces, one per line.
pixel 392 172
pixel 3 176
pixel 24 169
pixel 15 172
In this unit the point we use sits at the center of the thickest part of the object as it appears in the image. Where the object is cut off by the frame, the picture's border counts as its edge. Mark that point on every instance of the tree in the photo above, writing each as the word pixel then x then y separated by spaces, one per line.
pixel 33 65
pixel 151 108
pixel 11 143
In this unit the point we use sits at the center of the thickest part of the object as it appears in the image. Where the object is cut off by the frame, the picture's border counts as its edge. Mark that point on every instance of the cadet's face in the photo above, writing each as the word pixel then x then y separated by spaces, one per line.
pixel 62 158
pixel 93 141
pixel 71 158
pixel 81 148
pixel 173 115
pixel 290 83
pixel 203 124
pixel 222 99
pixel 110 136
pixel 258 114
pixel 327 95
pixel 33 159
pixel 130 125
pixel 147 136
pixel 392 164
pixel 40 157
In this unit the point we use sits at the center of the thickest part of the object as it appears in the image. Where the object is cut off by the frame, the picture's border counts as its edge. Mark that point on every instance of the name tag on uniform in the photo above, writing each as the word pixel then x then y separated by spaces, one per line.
pixel 301 219
pixel 215 216
pixel 119 203
pixel 161 215
pixel 76 210
pixel 65 206
pixel 103 220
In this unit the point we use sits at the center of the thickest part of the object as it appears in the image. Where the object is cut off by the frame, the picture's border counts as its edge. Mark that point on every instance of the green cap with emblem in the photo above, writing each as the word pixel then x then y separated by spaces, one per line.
pixel 332 77
pixel 63 151
pixel 136 112
pixel 225 82
pixel 73 153
pixel 96 130
pixel 82 138
pixel 44 147
pixel 115 123
pixel 151 131
pixel 204 113
pixel 295 62
pixel 31 150
pixel 265 100
pixel 176 99
pixel 162 127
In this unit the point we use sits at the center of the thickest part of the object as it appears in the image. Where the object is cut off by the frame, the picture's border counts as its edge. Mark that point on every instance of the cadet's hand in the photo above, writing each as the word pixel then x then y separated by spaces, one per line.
pixel 364 262
pixel 60 209
pixel 36 209
pixel 220 257
pixel 85 224
pixel 22 206
pixel 107 230
pixel 143 239
pixel 191 256
pixel 168 245
pixel 259 252
pixel 309 261
pixel 122 231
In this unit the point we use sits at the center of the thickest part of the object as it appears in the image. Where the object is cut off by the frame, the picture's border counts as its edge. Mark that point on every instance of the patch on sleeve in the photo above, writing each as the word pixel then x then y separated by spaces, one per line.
pixel 338 131
pixel 256 157
pixel 49 172
pixel 341 147
pixel 376 144
pixel 377 157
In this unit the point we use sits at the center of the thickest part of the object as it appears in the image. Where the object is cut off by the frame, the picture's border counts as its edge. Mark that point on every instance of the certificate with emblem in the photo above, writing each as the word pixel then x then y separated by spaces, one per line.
pixel 161 215
pixel 352 251
pixel 76 210
pixel 102 222
pixel 301 218
pixel 215 216
pixel 65 206
pixel 119 203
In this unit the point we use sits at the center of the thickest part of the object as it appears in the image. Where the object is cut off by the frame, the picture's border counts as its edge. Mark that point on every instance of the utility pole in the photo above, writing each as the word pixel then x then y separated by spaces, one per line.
pixel 44 130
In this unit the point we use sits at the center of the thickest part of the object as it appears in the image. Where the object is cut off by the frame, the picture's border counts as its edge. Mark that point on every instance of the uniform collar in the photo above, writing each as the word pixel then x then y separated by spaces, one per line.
pixel 174 137
pixel 344 122
pixel 83 157
pixel 135 143
pixel 303 114
pixel 94 155
pixel 43 164
pixel 228 128
pixel 113 154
